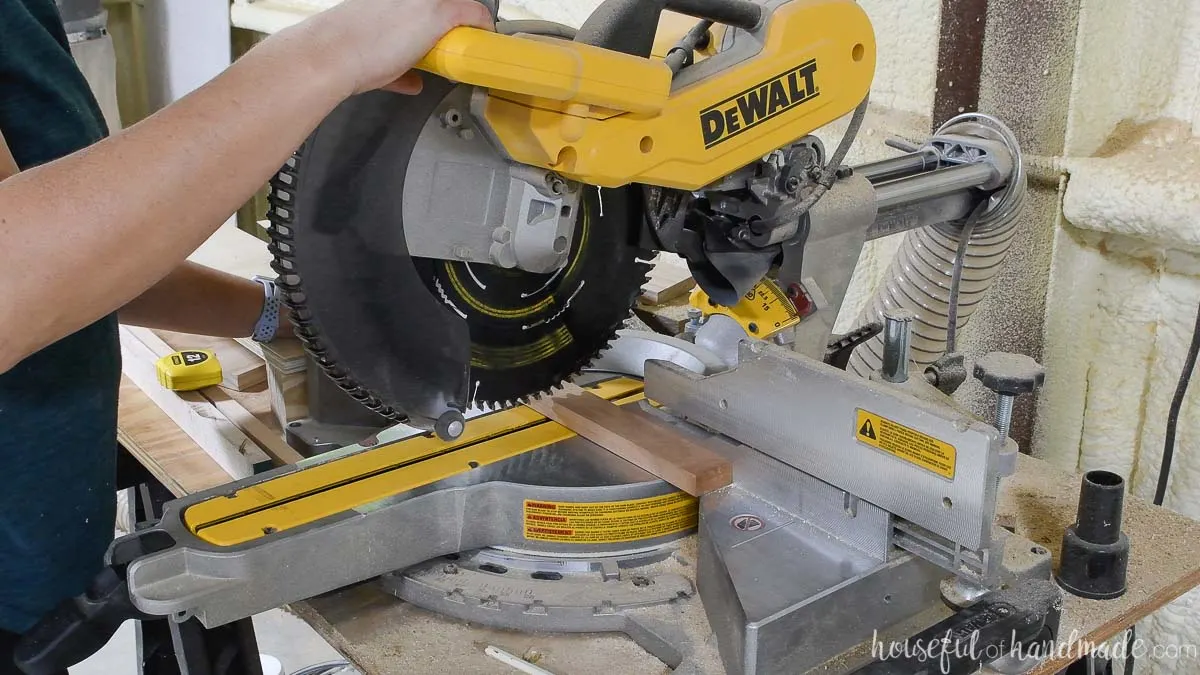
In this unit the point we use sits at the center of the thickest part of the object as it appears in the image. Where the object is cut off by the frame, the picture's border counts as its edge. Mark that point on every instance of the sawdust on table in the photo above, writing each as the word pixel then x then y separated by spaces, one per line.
pixel 386 636
pixel 1040 501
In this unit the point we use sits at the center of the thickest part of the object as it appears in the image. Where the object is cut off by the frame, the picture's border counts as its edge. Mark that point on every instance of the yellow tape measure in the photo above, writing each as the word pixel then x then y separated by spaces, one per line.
pixel 189 370
pixel 762 312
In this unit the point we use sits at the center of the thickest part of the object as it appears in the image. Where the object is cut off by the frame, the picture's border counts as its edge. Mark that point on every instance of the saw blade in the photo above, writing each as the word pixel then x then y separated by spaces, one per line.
pixel 399 333
pixel 358 304
pixel 531 332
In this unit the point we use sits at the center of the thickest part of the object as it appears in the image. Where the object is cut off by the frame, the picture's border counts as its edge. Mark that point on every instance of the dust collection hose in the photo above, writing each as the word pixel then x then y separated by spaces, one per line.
pixel 921 276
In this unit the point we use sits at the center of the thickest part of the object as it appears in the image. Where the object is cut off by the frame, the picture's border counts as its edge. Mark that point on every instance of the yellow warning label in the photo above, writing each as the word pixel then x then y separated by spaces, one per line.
pixel 910 445
pixel 609 522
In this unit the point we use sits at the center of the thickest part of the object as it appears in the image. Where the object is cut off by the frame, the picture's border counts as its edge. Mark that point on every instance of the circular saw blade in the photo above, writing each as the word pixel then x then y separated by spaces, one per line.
pixel 399 333
pixel 356 299
pixel 531 332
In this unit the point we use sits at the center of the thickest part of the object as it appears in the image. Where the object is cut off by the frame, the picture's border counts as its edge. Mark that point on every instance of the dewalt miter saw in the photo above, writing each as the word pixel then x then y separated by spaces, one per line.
pixel 452 253
pixel 483 241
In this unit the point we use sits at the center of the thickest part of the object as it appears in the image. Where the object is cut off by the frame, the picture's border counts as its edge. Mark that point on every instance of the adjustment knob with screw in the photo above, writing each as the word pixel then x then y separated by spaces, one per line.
pixel 1009 375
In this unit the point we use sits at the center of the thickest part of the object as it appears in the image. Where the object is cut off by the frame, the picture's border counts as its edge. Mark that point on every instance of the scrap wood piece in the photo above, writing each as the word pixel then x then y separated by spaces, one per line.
pixel 670 278
pixel 289 396
pixel 162 446
pixel 287 376
pixel 285 354
pixel 252 429
pixel 638 438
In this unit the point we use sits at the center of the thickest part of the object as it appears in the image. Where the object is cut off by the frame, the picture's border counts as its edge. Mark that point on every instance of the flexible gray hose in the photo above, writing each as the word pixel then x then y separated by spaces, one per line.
pixel 921 277
pixel 843 148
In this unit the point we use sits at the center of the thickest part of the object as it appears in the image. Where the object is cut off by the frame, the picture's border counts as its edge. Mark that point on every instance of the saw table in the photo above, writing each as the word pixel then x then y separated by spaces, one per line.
pixel 385 636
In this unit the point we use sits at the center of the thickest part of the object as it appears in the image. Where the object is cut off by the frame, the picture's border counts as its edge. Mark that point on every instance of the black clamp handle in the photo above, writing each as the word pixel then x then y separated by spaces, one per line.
pixel 81 626
pixel 77 628
pixel 1026 614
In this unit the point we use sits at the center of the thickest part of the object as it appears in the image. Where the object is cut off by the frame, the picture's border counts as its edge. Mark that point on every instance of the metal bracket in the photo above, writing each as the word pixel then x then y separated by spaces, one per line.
pixel 804 414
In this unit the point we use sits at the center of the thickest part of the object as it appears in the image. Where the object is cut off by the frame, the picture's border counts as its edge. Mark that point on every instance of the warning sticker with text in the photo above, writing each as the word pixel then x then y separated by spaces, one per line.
pixel 609 522
pixel 908 444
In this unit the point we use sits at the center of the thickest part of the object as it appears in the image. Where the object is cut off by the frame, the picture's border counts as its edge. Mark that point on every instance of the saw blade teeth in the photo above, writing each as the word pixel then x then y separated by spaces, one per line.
pixel 282 251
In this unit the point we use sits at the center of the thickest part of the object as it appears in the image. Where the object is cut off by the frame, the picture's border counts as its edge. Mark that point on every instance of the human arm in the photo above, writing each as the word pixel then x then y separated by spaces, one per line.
pixel 8 165
pixel 191 299
pixel 83 236
pixel 202 301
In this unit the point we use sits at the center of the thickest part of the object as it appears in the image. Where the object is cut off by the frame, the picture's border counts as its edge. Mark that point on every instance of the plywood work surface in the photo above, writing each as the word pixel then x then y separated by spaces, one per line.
pixel 162 447
pixel 1040 501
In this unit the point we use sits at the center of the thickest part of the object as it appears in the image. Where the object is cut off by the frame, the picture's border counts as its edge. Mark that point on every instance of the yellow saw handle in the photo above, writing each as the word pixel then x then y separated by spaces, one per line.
pixel 551 68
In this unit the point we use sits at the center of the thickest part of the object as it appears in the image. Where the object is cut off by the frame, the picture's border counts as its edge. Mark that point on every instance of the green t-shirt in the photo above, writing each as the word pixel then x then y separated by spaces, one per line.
pixel 58 407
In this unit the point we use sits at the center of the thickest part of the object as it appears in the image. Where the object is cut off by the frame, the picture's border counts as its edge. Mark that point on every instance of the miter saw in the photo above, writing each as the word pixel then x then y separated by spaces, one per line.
pixel 449 254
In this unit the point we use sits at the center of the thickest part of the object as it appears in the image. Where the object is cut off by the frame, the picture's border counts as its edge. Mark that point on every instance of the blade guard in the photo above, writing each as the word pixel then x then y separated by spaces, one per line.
pixel 371 296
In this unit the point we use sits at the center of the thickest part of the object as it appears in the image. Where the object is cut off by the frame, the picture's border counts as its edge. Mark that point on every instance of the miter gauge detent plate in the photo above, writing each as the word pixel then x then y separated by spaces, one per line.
pixel 413 337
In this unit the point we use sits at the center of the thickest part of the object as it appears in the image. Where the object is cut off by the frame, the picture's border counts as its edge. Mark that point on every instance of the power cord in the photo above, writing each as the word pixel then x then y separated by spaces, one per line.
pixel 329 668
pixel 1168 455
pixel 1164 472
pixel 960 259
pixel 1130 638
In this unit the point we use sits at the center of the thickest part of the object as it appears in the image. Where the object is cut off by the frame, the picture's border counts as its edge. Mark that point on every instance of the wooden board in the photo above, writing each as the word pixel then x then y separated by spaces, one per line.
pixel 241 370
pixel 221 439
pixel 270 440
pixel 161 446
pixel 286 354
pixel 638 438
pixel 289 395
pixel 669 279
pixel 668 318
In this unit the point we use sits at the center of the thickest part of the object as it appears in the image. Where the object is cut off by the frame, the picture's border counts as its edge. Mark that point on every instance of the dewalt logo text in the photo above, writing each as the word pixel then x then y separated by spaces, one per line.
pixel 758 104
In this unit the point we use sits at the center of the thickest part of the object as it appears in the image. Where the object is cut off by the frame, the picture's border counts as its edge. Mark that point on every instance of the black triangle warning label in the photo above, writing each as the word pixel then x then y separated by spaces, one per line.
pixel 867 431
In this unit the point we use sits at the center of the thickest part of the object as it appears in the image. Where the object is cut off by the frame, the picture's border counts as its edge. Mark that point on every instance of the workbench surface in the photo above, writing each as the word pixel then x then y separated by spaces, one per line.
pixel 385 636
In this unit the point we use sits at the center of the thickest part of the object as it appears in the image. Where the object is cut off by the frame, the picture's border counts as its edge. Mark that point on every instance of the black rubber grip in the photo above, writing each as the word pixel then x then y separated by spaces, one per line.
pixel 736 13
pixel 960 644
pixel 77 628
